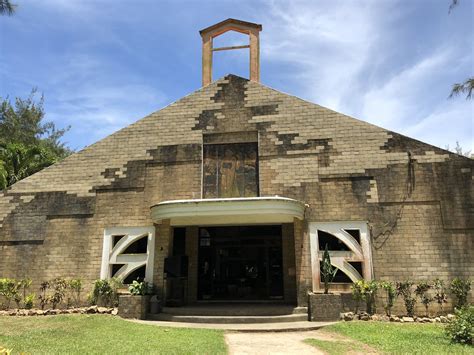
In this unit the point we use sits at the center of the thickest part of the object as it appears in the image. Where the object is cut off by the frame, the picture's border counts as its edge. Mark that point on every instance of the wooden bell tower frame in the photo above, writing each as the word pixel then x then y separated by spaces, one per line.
pixel 248 28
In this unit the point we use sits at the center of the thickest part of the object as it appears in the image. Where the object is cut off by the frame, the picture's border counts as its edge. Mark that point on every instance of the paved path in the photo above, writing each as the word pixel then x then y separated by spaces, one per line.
pixel 288 343
pixel 271 343
pixel 246 327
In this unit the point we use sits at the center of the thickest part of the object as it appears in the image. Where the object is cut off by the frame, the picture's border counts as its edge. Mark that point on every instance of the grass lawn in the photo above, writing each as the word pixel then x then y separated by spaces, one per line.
pixel 103 334
pixel 393 338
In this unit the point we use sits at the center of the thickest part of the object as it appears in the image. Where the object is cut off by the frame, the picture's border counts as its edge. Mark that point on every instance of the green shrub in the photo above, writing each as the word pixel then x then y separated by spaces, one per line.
pixel 461 328
pixel 460 289
pixel 139 288
pixel 422 291
pixel 327 270
pixel 105 292
pixel 59 287
pixel 24 284
pixel 440 294
pixel 391 294
pixel 29 301
pixel 9 288
pixel 357 293
pixel 367 291
pixel 75 287
pixel 44 297
pixel 404 289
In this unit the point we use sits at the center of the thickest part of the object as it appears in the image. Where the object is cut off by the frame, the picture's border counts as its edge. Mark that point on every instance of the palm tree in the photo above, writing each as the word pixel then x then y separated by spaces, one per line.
pixel 18 161
pixel 6 7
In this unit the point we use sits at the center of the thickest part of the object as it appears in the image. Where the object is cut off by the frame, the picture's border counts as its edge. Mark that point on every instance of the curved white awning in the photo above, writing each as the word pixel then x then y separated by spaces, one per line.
pixel 226 211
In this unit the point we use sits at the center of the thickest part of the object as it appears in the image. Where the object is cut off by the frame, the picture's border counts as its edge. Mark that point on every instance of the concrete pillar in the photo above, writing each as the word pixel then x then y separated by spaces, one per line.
pixel 254 55
pixel 206 60
pixel 192 246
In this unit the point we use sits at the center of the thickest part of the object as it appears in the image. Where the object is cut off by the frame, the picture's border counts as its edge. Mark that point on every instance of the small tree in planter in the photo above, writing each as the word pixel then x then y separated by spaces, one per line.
pixel 440 294
pixel 139 288
pixel 422 291
pixel 136 304
pixel 404 289
pixel 328 272
pixel 325 306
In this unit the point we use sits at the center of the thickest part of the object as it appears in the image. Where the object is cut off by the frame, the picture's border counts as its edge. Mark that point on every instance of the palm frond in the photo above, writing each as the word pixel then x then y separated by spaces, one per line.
pixel 466 87
pixel 6 7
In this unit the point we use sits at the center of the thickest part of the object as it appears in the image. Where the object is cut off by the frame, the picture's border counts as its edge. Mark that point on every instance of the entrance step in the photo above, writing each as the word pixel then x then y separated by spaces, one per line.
pixel 229 319
pixel 235 310
pixel 234 313
pixel 250 328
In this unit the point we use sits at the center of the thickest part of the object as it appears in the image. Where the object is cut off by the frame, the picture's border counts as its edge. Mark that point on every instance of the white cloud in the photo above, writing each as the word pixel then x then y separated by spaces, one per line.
pixel 336 51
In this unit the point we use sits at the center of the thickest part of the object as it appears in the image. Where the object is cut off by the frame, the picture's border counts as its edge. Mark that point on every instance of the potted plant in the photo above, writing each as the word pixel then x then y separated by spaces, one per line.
pixel 136 303
pixel 325 306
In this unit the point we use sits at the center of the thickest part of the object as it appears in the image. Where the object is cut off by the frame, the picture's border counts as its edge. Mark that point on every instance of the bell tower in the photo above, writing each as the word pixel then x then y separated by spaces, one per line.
pixel 248 28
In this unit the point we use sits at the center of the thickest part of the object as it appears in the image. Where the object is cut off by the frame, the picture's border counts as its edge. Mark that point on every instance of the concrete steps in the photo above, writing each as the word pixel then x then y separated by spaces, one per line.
pixel 232 314
pixel 230 319
pixel 246 328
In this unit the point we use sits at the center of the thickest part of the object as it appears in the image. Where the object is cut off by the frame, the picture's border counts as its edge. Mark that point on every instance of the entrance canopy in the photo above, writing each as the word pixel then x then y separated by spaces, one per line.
pixel 225 211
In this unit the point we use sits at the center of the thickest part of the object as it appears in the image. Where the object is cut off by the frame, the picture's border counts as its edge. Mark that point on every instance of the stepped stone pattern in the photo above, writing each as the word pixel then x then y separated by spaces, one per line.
pixel 417 199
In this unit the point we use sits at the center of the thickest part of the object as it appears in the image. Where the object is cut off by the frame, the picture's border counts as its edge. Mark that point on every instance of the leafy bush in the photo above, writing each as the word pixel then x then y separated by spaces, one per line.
pixel 422 291
pixel 367 291
pixel 460 289
pixel 357 293
pixel 9 288
pixel 327 270
pixel 44 297
pixel 440 294
pixel 105 292
pixel 59 287
pixel 29 301
pixel 139 288
pixel 75 286
pixel 461 328
pixel 404 289
pixel 391 294
pixel 24 284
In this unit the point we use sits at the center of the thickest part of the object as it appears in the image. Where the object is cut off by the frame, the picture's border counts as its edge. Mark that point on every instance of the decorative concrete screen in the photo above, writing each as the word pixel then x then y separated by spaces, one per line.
pixel 126 250
pixel 349 248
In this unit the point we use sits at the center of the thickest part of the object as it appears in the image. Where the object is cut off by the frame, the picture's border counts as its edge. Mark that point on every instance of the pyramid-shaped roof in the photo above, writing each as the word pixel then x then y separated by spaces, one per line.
pixel 288 126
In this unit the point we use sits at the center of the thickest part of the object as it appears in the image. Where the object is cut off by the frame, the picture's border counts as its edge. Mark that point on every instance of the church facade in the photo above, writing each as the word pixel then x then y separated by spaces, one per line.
pixel 231 194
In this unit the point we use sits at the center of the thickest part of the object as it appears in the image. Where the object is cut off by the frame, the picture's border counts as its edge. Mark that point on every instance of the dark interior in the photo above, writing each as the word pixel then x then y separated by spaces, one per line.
pixel 240 263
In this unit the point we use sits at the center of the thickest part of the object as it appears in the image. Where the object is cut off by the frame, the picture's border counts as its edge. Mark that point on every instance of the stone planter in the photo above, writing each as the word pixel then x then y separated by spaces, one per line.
pixel 133 306
pixel 324 307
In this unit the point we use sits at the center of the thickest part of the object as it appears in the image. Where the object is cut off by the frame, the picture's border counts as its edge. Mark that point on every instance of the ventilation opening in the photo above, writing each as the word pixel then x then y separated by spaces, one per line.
pixel 341 277
pixel 116 268
pixel 355 233
pixel 138 275
pixel 333 243
pixel 116 239
pixel 138 247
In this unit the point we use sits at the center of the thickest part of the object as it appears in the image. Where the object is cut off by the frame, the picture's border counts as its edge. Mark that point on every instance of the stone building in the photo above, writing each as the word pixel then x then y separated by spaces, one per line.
pixel 243 185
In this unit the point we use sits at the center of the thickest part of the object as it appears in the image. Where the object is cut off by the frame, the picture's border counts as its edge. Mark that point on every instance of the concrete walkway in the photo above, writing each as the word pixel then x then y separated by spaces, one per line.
pixel 247 328
pixel 271 343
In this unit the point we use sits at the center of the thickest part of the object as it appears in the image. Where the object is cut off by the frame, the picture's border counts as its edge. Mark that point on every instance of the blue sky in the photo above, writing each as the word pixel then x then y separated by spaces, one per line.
pixel 103 64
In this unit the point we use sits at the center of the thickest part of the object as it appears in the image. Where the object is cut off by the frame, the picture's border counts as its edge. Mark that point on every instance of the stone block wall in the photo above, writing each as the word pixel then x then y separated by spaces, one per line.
pixel 417 199
pixel 133 306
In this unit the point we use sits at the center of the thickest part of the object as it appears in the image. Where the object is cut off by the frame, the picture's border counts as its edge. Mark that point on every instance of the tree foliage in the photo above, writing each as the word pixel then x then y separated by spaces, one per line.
pixel 467 86
pixel 6 7
pixel 27 143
